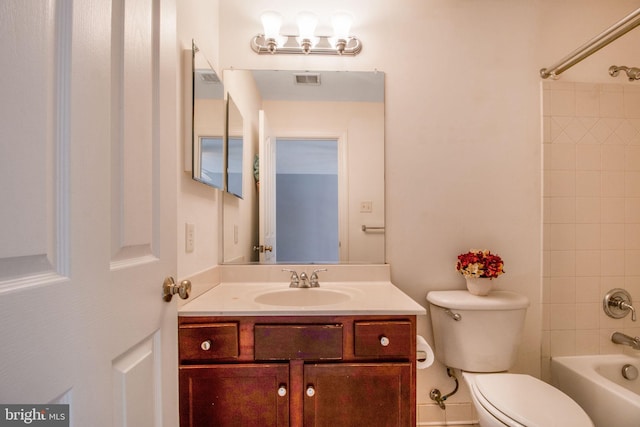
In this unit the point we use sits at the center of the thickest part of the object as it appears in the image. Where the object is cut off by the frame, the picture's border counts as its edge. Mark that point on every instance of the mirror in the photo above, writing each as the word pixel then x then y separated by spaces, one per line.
pixel 208 122
pixel 235 141
pixel 340 115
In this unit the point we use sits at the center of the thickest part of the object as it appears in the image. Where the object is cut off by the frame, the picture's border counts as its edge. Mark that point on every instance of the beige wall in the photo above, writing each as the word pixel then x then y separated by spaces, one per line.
pixel 463 129
pixel 198 204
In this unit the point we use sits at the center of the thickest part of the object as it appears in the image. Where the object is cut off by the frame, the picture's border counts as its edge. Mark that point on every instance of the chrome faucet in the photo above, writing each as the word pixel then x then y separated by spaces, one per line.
pixel 620 338
pixel 304 279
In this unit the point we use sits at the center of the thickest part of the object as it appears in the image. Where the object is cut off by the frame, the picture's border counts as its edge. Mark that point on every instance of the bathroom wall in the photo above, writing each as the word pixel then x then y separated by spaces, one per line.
pixel 463 152
pixel 591 213
pixel 198 204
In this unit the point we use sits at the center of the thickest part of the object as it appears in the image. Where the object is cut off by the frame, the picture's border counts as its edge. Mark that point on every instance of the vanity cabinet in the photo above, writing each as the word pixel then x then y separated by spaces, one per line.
pixel 297 371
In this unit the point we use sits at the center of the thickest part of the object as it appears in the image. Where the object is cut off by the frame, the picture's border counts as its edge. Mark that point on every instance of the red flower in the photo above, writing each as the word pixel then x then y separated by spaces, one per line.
pixel 480 263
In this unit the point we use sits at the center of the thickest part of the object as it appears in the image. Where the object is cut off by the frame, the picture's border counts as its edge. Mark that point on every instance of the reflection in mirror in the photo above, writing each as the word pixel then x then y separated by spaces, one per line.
pixel 347 107
pixel 208 122
pixel 235 142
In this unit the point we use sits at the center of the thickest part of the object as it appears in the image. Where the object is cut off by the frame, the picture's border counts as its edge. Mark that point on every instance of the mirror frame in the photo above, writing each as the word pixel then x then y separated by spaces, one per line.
pixel 234 129
pixel 197 168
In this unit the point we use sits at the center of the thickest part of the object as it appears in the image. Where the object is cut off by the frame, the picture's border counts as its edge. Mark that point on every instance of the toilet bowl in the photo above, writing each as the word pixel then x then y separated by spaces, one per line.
pixel 480 336
pixel 518 400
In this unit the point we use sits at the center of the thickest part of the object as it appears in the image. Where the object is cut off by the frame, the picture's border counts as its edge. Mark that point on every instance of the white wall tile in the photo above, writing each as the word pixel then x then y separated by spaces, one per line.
pixel 613 157
pixel 632 210
pixel 588 184
pixel 587 100
pixel 611 103
pixel 588 289
pixel 631 104
pixel 588 157
pixel 562 343
pixel 632 158
pixel 601 201
pixel 587 236
pixel 612 263
pixel 561 210
pixel 613 184
pixel 561 157
pixel 563 103
pixel 613 210
pixel 588 263
pixel 561 236
pixel 632 184
pixel 588 210
pixel 562 289
pixel 613 236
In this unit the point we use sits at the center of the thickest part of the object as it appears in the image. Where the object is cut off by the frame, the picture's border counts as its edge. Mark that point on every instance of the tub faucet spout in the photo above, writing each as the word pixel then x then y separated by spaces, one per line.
pixel 620 338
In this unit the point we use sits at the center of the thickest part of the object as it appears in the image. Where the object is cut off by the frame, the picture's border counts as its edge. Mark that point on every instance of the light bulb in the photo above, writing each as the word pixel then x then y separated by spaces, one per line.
pixel 341 23
pixel 307 22
pixel 271 22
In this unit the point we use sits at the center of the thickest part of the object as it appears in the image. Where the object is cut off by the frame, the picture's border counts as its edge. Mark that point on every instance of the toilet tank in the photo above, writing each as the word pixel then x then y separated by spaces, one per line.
pixel 486 336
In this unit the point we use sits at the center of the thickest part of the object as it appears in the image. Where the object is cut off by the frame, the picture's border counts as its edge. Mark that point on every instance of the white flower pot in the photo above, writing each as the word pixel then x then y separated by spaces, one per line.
pixel 479 285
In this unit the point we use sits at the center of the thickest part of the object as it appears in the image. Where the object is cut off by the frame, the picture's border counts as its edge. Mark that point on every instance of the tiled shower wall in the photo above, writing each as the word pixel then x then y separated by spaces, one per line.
pixel 591 214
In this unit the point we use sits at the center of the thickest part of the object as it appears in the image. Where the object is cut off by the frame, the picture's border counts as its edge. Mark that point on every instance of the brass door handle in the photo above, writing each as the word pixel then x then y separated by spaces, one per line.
pixel 262 248
pixel 170 288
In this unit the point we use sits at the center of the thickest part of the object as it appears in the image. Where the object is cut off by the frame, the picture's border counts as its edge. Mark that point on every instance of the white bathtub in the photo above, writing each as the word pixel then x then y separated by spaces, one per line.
pixel 596 383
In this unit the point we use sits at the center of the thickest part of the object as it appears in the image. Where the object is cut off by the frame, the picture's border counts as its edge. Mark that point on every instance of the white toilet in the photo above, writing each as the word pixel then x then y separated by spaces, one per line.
pixel 480 336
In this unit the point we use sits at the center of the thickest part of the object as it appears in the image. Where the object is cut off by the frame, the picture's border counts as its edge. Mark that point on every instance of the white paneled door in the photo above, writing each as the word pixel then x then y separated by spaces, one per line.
pixel 267 198
pixel 88 174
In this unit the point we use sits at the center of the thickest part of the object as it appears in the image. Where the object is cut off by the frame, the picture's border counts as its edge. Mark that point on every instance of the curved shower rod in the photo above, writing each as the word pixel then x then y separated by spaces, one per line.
pixel 612 33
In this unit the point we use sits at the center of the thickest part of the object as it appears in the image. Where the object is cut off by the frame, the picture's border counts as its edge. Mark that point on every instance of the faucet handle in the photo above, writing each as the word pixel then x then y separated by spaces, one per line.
pixel 626 306
pixel 295 280
pixel 314 277
pixel 617 304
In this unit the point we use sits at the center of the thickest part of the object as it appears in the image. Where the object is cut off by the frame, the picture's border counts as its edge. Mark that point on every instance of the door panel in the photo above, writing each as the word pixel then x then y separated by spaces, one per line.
pixel 234 395
pixel 87 161
pixel 358 394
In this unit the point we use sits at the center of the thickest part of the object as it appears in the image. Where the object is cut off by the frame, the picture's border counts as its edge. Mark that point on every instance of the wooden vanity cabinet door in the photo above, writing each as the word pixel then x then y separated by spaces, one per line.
pixel 357 394
pixel 234 395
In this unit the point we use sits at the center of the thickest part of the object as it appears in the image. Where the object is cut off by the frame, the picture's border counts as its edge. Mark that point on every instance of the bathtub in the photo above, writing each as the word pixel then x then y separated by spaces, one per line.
pixel 596 383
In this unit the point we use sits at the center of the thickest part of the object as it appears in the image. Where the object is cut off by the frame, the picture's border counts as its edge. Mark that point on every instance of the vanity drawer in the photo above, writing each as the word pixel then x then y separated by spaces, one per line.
pixel 298 342
pixel 383 339
pixel 209 341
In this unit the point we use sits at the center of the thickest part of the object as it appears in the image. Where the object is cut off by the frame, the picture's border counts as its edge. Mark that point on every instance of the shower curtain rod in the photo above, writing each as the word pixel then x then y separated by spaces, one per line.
pixel 612 33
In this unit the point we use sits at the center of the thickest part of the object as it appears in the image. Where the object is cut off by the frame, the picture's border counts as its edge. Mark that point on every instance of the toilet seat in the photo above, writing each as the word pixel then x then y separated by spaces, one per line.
pixel 522 400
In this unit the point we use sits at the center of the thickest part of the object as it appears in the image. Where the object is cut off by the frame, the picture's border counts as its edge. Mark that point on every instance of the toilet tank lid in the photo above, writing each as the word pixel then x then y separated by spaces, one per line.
pixel 463 300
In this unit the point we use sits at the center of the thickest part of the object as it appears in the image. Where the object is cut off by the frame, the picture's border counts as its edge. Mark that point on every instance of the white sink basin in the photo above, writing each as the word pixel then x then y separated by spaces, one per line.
pixel 303 297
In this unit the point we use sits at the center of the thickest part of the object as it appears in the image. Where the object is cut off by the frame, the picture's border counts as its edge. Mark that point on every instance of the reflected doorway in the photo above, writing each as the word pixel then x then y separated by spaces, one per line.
pixel 307 220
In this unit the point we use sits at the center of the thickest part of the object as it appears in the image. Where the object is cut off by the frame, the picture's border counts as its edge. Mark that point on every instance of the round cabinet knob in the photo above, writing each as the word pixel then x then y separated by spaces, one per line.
pixel 282 391
pixel 384 341
pixel 311 391
pixel 206 345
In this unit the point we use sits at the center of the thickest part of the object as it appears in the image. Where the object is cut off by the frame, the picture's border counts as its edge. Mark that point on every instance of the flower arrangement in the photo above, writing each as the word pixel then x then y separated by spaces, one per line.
pixel 480 263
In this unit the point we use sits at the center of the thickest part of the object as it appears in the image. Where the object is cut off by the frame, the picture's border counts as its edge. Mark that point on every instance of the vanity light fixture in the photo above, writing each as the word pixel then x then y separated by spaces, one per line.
pixel 306 42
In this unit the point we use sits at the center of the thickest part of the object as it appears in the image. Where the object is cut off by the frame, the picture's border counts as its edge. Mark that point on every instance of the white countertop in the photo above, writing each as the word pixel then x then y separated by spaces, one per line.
pixel 239 299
